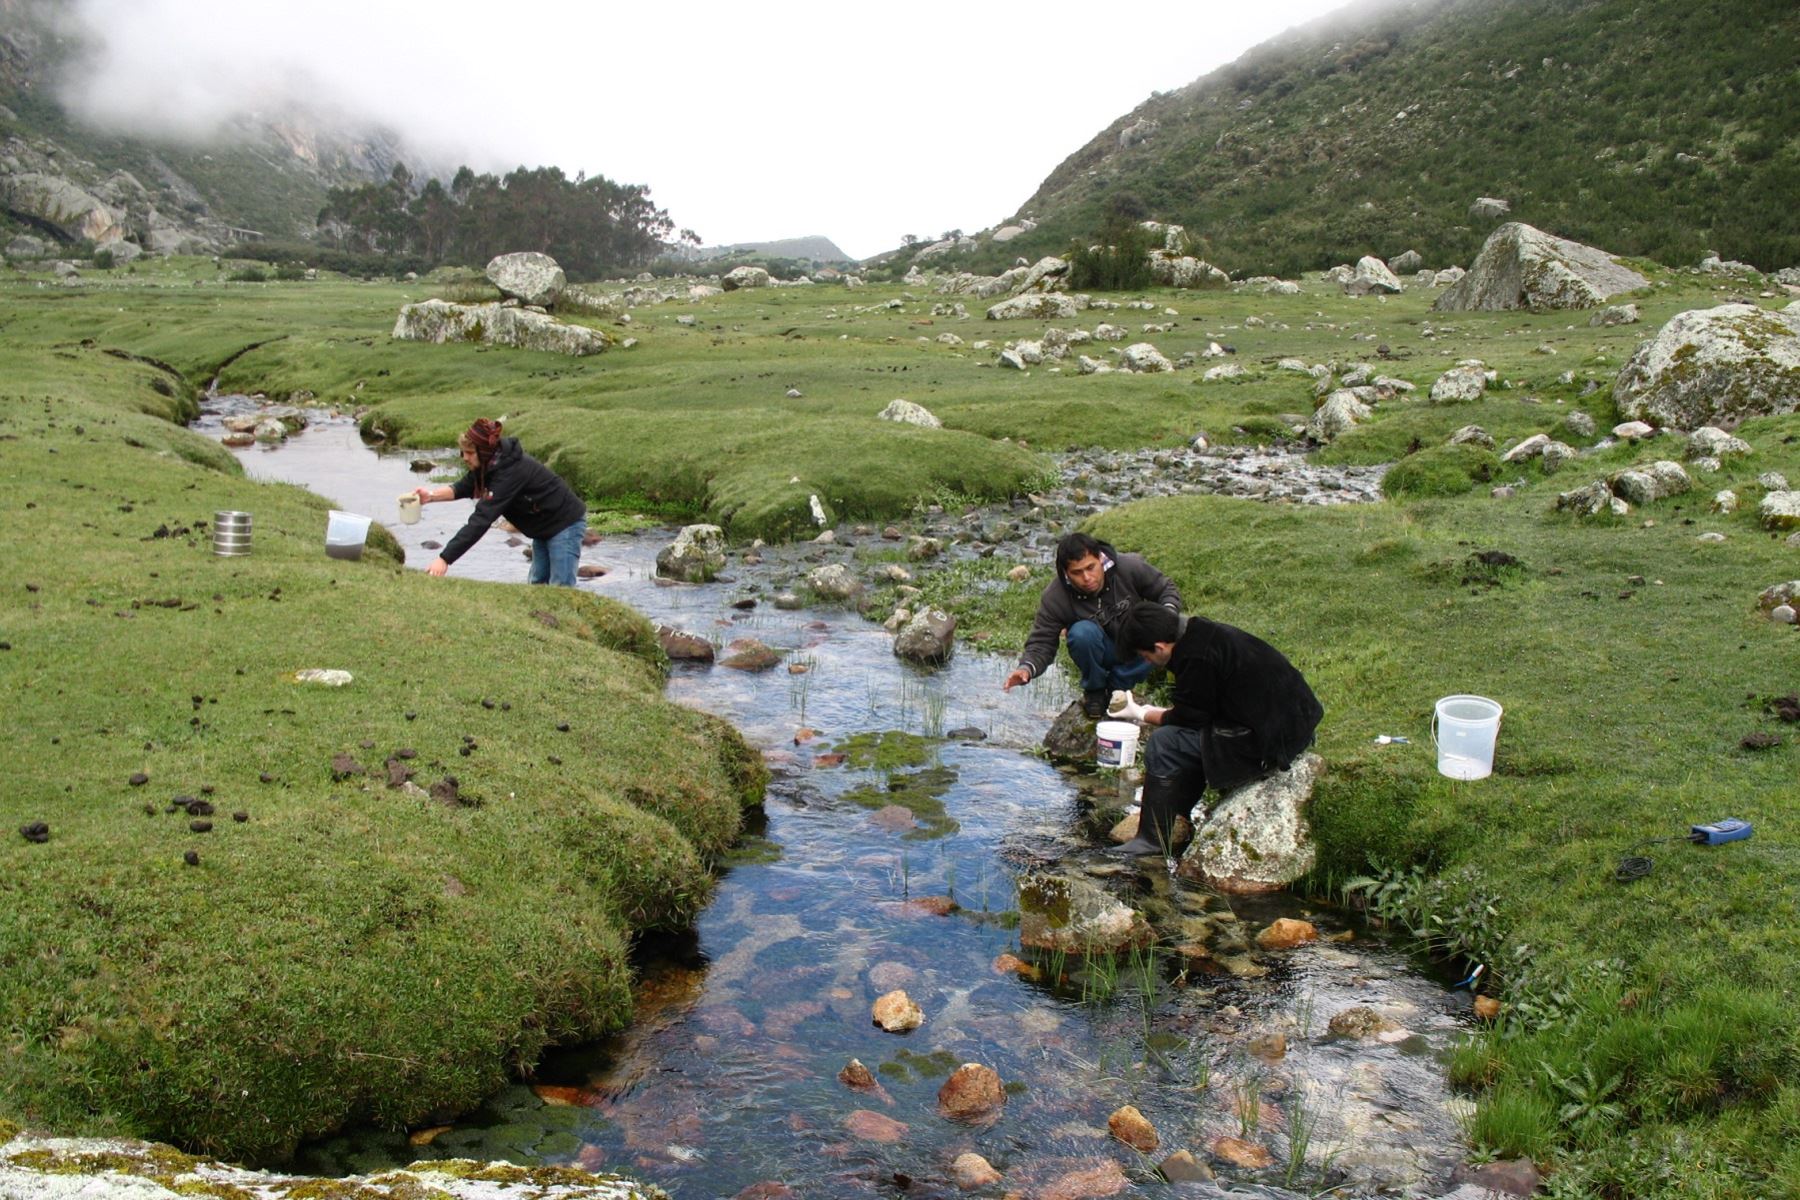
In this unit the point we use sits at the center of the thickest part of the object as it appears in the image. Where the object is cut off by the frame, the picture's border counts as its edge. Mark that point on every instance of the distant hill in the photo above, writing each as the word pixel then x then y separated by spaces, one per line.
pixel 1662 128
pixel 266 175
pixel 806 249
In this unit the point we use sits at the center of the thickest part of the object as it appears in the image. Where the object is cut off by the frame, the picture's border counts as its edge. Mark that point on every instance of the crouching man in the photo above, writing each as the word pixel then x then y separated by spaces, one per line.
pixel 1241 712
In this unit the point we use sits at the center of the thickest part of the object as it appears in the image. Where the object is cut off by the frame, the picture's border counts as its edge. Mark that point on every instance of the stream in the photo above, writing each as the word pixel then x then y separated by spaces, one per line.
pixel 726 1084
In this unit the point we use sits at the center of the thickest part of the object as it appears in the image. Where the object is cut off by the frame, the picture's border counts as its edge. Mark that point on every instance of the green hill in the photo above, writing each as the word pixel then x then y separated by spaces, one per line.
pixel 1662 128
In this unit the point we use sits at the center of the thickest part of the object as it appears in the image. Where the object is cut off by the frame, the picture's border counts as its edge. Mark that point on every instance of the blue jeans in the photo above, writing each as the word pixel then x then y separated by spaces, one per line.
pixel 1101 670
pixel 554 559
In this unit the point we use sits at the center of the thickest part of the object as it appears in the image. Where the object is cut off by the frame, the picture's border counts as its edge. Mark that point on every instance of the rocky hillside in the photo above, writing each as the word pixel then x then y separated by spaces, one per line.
pixel 817 249
pixel 1663 128
pixel 63 182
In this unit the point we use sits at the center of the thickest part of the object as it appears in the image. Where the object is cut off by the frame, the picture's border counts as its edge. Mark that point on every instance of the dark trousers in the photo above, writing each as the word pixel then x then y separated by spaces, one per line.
pixel 1195 759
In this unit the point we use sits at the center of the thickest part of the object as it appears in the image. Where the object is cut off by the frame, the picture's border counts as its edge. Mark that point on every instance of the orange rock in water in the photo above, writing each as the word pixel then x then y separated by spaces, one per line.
pixel 1287 933
pixel 972 1093
pixel 1105 1178
pixel 933 906
pixel 562 1097
pixel 1240 1153
pixel 828 760
pixel 424 1137
pixel 873 1127
pixel 896 1013
pixel 1012 964
pixel 972 1171
pixel 1130 1126
pixel 804 735
pixel 1272 1048
pixel 1487 1008
pixel 591 1157
pixel 855 1075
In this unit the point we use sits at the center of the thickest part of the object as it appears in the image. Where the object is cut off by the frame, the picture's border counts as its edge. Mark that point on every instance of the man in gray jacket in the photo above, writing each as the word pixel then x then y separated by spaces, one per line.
pixel 1094 589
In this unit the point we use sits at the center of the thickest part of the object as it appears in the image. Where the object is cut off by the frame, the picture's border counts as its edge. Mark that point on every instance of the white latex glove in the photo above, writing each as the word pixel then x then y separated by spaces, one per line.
pixel 1124 707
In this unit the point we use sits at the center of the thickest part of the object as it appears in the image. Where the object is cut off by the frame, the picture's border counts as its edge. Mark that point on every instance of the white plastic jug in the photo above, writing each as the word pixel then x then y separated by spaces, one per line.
pixel 1464 730
pixel 345 534
pixel 1115 744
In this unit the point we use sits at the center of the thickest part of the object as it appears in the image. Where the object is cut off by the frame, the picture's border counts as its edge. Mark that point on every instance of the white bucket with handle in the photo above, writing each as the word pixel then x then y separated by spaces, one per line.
pixel 1115 744
pixel 1464 730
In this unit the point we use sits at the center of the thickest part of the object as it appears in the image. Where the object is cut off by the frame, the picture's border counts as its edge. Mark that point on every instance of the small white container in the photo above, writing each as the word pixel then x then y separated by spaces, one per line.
pixel 1464 730
pixel 345 534
pixel 1115 744
pixel 409 508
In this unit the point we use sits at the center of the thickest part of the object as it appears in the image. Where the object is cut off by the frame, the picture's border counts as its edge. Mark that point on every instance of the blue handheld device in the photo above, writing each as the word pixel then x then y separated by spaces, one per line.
pixel 1728 830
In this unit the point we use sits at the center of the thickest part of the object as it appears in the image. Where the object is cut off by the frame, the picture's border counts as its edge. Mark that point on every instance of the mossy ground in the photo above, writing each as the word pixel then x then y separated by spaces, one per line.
pixel 321 934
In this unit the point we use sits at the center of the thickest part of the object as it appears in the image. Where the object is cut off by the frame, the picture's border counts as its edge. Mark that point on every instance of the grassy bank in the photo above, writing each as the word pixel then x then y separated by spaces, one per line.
pixel 349 950
pixel 1648 1033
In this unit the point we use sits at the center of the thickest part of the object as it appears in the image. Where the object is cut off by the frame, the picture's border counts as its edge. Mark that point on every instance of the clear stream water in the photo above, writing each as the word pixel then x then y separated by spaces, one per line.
pixel 728 1076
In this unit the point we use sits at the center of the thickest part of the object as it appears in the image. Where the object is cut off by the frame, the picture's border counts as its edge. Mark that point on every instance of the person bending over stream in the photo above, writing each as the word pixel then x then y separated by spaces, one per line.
pixel 1094 589
pixel 504 481
pixel 1241 712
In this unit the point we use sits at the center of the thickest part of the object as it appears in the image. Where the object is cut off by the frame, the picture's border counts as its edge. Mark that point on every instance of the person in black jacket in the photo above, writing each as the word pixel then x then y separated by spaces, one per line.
pixel 504 481
pixel 1094 588
pixel 1241 712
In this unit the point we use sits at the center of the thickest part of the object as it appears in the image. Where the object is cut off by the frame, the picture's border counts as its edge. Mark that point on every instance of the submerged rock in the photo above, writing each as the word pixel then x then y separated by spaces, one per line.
pixel 1074 915
pixel 972 1093
pixel 928 638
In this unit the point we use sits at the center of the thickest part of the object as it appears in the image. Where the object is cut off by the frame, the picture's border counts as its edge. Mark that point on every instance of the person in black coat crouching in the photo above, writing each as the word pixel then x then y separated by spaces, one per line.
pixel 1241 712
pixel 504 481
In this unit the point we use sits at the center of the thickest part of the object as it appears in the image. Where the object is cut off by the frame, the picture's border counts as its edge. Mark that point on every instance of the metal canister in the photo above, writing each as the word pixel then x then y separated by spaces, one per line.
pixel 231 533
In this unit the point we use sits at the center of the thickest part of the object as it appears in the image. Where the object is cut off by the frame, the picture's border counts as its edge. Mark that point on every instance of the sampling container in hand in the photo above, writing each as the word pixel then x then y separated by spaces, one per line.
pixel 231 533
pixel 1464 729
pixel 1115 744
pixel 409 508
pixel 345 534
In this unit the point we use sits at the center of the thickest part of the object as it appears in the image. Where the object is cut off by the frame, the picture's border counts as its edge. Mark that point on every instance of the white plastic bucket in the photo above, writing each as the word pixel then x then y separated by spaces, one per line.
pixel 1464 729
pixel 1115 744
pixel 345 534
pixel 409 508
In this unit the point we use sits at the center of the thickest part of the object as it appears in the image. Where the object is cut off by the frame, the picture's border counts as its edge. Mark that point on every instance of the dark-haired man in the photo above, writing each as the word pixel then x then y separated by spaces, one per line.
pixel 1095 587
pixel 1241 711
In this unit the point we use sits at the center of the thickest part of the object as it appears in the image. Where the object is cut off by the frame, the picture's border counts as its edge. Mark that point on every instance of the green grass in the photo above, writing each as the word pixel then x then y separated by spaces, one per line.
pixel 1625 701
pixel 350 952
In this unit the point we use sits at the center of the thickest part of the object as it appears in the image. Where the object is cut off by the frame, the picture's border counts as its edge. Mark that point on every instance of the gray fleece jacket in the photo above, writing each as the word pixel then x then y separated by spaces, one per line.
pixel 1128 580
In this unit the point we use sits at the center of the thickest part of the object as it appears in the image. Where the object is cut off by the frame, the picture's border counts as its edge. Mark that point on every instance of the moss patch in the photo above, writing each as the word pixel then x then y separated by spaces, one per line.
pixel 920 793
pixel 888 750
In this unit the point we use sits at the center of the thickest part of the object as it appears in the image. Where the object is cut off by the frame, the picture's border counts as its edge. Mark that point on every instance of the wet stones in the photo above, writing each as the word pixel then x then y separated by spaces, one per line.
pixel 695 556
pixel 929 638
pixel 973 1093
pixel 681 646
pixel 748 654
pixel 1257 839
pixel 833 582
pixel 971 1172
pixel 1286 933
pixel 874 1127
pixel 857 1077
pixel 896 1012
pixel 1130 1126
pixel 1361 1022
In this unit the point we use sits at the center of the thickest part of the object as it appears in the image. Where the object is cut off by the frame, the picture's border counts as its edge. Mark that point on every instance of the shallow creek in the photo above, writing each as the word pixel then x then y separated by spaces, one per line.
pixel 728 1077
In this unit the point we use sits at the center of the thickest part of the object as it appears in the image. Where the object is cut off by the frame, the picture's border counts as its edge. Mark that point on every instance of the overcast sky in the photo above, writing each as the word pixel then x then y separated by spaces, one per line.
pixel 747 121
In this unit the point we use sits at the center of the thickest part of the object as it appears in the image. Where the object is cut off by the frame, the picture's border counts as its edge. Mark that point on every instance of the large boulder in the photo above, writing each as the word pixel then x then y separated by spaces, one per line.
pixel 744 277
pixel 57 202
pixel 1145 358
pixel 1185 271
pixel 528 277
pixel 1372 275
pixel 496 325
pixel 1076 916
pixel 695 556
pixel 23 245
pixel 1461 384
pixel 1342 410
pixel 1042 307
pixel 908 413
pixel 1522 267
pixel 929 638
pixel 1257 838
pixel 1715 366
pixel 1047 274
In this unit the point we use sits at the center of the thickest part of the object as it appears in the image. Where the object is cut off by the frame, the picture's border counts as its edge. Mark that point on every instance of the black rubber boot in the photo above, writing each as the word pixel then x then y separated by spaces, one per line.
pixel 1161 806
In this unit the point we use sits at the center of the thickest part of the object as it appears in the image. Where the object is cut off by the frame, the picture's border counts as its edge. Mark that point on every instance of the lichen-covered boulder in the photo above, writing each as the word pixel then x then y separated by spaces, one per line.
pixel 834 582
pixel 1047 274
pixel 527 276
pixel 695 556
pixel 1257 838
pixel 1715 366
pixel 56 201
pixel 929 638
pixel 744 277
pixel 1371 276
pixel 440 321
pixel 1646 485
pixel 1145 358
pixel 1780 510
pixel 1038 306
pixel 908 413
pixel 1711 442
pixel 1522 267
pixel 1591 501
pixel 1460 384
pixel 1074 915
pixel 1616 314
pixel 1342 410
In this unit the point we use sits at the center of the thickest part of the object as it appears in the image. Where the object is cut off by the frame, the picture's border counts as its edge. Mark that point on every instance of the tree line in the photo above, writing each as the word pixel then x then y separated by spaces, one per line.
pixel 590 225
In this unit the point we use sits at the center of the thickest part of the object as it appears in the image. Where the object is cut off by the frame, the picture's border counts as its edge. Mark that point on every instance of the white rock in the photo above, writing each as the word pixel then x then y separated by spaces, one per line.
pixel 1780 510
pixel 1372 276
pixel 1522 267
pixel 908 413
pixel 1711 365
pixel 1459 385
pixel 1145 358
pixel 528 276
